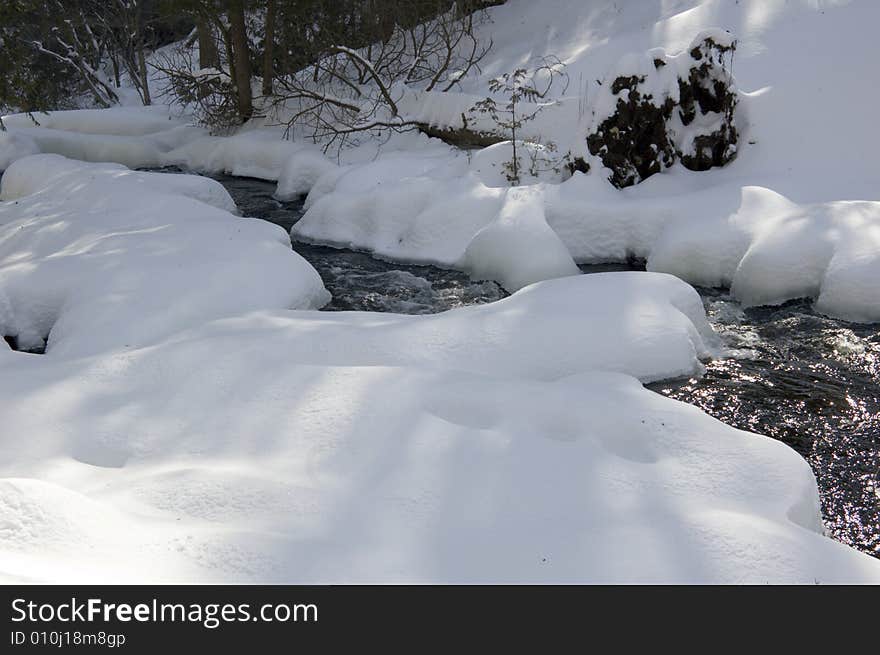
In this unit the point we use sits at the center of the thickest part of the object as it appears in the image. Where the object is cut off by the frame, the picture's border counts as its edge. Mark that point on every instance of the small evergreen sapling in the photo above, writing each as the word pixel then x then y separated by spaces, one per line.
pixel 525 91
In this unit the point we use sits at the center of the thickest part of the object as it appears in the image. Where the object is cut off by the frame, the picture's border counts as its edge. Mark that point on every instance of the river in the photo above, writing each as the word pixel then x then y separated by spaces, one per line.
pixel 787 372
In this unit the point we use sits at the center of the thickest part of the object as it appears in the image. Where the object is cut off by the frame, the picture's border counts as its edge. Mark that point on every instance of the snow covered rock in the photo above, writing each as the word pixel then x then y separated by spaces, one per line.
pixel 300 173
pixel 655 109
pixel 707 135
pixel 518 248
pixel 95 256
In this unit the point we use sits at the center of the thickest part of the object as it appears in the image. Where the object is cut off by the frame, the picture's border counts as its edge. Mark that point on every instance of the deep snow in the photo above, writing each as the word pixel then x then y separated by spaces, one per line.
pixel 190 412
pixel 797 179
pixel 101 256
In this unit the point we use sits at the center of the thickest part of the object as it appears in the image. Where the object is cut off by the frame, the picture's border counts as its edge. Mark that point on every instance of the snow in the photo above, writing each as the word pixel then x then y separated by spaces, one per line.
pixel 193 411
pixel 518 248
pixel 15 146
pixel 300 172
pixel 98 256
pixel 265 448
pixel 795 215
pixel 115 121
pixel 256 154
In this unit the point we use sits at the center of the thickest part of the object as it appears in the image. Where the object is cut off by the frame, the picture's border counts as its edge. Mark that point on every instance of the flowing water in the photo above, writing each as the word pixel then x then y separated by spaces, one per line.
pixel 789 373
pixel 358 281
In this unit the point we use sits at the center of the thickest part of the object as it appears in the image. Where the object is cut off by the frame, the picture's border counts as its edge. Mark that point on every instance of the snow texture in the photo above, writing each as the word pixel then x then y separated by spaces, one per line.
pixel 266 448
pixel 96 256
pixel 194 413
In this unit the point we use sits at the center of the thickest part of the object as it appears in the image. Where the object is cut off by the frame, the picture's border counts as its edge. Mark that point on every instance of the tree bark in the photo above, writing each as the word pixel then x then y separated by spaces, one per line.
pixel 141 57
pixel 269 48
pixel 209 57
pixel 241 59
pixel 145 79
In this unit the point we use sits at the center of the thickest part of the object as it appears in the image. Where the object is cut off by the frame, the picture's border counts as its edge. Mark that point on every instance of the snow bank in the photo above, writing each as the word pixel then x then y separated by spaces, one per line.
pixel 765 246
pixel 300 172
pixel 15 146
pixel 650 326
pixel 486 466
pixel 262 154
pixel 153 137
pixel 250 154
pixel 116 121
pixel 518 248
pixel 97 256
pixel 136 137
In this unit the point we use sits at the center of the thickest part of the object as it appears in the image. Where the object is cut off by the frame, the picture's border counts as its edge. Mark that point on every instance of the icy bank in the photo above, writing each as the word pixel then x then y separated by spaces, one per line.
pixel 97 256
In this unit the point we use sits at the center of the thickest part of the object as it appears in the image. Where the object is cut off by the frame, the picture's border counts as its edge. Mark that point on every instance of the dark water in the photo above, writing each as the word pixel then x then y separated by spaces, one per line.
pixel 789 373
pixel 356 280
pixel 811 382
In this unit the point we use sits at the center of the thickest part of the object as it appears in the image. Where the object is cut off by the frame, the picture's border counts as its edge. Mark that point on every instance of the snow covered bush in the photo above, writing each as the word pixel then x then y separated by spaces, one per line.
pixel 657 109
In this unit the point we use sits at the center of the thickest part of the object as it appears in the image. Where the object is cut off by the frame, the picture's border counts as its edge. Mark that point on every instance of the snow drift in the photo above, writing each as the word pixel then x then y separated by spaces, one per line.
pixel 96 256
pixel 300 447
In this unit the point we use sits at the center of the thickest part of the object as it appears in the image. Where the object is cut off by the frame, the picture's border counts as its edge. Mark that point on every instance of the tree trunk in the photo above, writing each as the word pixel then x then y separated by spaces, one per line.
pixel 209 57
pixel 269 48
pixel 141 57
pixel 115 62
pixel 241 59
pixel 145 80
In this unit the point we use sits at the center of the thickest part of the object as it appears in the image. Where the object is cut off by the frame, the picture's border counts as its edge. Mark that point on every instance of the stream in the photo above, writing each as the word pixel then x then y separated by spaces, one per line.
pixel 787 372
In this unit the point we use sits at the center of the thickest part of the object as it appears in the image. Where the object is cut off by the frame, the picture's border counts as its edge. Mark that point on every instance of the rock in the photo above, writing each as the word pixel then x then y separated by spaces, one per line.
pixel 658 109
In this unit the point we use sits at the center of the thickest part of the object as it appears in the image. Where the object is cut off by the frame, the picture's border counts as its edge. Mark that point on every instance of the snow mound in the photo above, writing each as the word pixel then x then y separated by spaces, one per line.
pixel 770 250
pixel 312 475
pixel 300 172
pixel 259 154
pixel 116 121
pixel 518 248
pixel 536 163
pixel 95 256
pixel 15 146
pixel 650 326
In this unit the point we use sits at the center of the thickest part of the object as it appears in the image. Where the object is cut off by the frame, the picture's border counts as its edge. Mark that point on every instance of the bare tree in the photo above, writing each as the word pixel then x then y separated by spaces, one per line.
pixel 346 91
